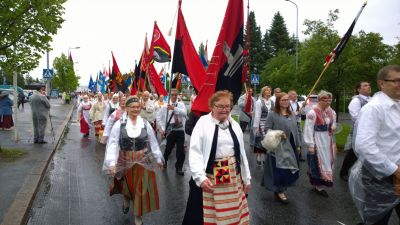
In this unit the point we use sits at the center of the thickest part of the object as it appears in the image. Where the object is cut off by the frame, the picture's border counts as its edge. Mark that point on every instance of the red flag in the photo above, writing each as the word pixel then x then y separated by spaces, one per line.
pixel 155 81
pixel 177 81
pixel 159 48
pixel 186 60
pixel 225 69
pixel 119 80
pixel 248 102
pixel 144 65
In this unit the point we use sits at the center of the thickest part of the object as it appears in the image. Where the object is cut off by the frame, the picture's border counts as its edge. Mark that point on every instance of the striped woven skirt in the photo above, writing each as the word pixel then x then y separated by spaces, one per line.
pixel 140 186
pixel 227 204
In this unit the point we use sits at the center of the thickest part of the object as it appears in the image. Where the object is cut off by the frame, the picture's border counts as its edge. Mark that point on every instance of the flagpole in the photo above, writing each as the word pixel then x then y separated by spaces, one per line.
pixel 316 82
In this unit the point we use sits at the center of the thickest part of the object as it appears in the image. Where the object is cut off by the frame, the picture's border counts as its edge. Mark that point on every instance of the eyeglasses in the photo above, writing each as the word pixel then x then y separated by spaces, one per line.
pixel 222 107
pixel 284 100
pixel 393 81
pixel 134 107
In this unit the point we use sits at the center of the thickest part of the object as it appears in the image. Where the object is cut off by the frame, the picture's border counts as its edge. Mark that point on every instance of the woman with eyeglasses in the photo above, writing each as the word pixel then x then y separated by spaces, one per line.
pixel 131 157
pixel 281 168
pixel 220 171
pixel 319 130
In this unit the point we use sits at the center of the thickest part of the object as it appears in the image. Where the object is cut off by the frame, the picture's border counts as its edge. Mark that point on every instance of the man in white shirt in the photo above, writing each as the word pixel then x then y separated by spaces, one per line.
pixel 277 91
pixel 171 126
pixel 377 146
pixel 147 111
pixel 362 97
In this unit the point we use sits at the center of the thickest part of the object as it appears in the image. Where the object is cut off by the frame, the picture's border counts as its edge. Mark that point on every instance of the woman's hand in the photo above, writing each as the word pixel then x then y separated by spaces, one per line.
pixel 111 170
pixel 246 188
pixel 283 136
pixel 160 165
pixel 311 150
pixel 298 149
pixel 206 185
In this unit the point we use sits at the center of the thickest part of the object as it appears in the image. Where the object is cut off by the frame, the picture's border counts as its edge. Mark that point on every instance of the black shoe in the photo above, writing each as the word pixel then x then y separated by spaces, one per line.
pixel 125 210
pixel 42 142
pixel 86 135
pixel 35 142
pixel 322 192
pixel 180 172
pixel 284 200
pixel 302 160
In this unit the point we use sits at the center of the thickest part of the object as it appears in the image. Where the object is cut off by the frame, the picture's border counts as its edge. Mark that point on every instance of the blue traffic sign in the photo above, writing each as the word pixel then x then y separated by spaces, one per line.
pixel 48 73
pixel 255 79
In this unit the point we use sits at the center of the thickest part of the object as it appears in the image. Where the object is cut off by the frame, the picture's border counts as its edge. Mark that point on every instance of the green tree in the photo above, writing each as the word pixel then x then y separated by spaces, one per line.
pixel 64 78
pixel 29 79
pixel 279 72
pixel 395 54
pixel 26 29
pixel 256 46
pixel 278 34
pixel 267 49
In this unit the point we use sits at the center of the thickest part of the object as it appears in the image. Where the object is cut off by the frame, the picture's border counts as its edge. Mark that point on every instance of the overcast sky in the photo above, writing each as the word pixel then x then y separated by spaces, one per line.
pixel 101 26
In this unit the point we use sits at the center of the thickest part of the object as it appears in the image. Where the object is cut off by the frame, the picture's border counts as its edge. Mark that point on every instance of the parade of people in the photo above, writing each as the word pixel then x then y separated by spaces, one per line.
pixel 272 128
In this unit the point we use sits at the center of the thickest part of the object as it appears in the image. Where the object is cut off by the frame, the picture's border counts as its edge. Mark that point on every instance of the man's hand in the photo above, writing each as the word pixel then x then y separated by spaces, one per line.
pixel 311 150
pixel 206 185
pixel 170 107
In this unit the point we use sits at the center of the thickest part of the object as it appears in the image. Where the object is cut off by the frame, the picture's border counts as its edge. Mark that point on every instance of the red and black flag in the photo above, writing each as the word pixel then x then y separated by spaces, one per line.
pixel 334 54
pixel 159 48
pixel 117 76
pixel 155 81
pixel 185 58
pixel 135 84
pixel 225 69
pixel 144 65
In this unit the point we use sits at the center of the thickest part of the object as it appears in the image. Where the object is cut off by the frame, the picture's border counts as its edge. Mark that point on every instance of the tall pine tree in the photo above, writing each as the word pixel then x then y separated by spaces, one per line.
pixel 257 59
pixel 279 35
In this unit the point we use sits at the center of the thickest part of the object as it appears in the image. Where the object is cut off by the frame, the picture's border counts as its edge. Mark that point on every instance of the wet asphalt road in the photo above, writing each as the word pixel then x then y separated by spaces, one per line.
pixel 75 191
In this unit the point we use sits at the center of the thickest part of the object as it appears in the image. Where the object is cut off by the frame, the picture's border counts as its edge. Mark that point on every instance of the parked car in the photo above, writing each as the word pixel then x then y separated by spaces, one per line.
pixel 311 102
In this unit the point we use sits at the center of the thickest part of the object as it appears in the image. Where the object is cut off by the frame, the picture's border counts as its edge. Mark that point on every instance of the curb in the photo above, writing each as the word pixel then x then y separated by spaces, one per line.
pixel 17 213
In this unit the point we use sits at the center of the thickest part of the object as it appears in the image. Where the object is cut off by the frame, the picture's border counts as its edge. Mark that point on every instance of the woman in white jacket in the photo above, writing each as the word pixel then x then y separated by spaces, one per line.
pixel 219 167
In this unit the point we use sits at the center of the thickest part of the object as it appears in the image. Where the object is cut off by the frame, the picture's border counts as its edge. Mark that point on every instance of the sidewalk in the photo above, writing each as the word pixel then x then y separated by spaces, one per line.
pixel 20 179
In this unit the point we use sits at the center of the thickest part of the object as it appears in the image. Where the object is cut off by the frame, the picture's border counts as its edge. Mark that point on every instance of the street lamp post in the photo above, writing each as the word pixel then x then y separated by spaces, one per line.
pixel 3 58
pixel 297 34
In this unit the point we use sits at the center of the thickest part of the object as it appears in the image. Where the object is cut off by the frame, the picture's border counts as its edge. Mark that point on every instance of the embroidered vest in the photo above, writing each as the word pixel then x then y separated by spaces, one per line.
pixel 127 143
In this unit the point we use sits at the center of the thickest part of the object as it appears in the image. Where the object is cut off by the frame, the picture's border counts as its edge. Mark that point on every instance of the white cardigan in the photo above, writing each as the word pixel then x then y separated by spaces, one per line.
pixel 200 148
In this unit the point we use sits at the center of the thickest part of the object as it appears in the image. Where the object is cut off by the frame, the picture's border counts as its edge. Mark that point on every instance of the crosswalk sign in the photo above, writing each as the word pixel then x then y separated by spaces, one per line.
pixel 255 79
pixel 48 73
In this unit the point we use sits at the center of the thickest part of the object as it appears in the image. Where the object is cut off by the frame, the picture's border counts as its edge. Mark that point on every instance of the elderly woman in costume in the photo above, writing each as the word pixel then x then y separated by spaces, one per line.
pixel 111 106
pixel 219 167
pixel 114 117
pixel 131 157
pixel 83 115
pixel 262 107
pixel 97 114
pixel 281 169
pixel 6 119
pixel 318 135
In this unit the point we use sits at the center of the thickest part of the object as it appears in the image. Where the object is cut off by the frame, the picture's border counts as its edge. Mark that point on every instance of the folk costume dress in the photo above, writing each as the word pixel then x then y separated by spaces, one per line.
pixel 318 134
pixel 219 156
pixel 135 177
pixel 84 115
pixel 262 108
pixel 6 119
pixel 96 115
pixel 281 168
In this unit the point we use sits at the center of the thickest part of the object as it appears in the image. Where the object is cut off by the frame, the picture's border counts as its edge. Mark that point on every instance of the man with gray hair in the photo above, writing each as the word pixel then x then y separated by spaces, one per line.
pixel 40 107
pixel 374 181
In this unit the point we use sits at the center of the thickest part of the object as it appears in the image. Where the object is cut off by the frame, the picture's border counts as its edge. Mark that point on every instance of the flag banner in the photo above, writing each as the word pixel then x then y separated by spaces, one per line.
pixel 143 66
pixel 102 82
pixel 185 58
pixel 334 54
pixel 177 81
pixel 202 55
pixel 117 76
pixel 225 69
pixel 155 81
pixel 91 84
pixel 135 84
pixel 159 48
